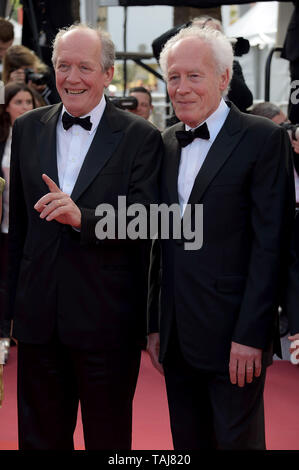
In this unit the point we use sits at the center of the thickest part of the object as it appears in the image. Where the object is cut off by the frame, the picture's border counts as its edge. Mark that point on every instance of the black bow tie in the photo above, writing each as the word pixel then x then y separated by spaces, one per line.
pixel 186 137
pixel 68 121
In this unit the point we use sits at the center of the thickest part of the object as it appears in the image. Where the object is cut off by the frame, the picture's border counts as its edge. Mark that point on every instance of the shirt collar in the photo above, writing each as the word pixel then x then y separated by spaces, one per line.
pixel 216 120
pixel 95 114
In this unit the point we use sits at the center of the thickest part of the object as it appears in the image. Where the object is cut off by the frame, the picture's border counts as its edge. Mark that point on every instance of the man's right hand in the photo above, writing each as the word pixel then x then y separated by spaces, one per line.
pixel 17 75
pixel 295 145
pixel 57 205
pixel 153 348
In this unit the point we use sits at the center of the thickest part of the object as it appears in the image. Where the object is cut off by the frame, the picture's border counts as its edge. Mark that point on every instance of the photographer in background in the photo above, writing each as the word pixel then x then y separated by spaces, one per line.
pixel 144 101
pixel 270 111
pixel 16 60
pixel 23 65
pixel 273 112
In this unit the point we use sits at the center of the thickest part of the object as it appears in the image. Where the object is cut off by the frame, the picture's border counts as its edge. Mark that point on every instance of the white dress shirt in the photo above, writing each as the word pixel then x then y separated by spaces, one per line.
pixel 194 154
pixel 73 145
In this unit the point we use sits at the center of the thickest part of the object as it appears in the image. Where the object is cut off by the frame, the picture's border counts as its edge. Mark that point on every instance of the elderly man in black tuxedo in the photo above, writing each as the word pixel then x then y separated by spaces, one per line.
pixel 78 302
pixel 218 304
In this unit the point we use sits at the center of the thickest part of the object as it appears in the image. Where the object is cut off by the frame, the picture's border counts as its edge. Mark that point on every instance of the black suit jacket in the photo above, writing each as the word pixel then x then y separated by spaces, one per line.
pixel 228 290
pixel 92 291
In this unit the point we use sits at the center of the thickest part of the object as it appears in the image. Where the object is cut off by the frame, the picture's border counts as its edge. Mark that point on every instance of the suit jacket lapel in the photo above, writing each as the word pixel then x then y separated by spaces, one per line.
pixel 224 144
pixel 172 171
pixel 47 142
pixel 105 141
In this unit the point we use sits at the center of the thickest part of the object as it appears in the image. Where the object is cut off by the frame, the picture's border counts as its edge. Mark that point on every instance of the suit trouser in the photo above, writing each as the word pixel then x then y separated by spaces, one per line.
pixel 207 411
pixel 52 378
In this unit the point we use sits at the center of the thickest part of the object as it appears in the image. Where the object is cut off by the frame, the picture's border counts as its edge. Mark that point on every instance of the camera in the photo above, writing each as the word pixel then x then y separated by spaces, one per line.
pixel 129 102
pixel 293 129
pixel 36 78
pixel 240 46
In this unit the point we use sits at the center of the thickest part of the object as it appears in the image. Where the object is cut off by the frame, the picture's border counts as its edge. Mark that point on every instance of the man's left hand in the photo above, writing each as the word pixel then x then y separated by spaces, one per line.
pixel 57 205
pixel 244 364
pixel 153 348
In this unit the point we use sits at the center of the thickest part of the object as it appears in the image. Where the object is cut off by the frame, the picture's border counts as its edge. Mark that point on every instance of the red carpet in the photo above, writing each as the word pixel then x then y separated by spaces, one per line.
pixel 151 422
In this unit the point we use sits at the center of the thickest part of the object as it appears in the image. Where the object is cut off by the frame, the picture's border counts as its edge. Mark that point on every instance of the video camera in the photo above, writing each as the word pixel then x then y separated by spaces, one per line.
pixel 293 129
pixel 127 102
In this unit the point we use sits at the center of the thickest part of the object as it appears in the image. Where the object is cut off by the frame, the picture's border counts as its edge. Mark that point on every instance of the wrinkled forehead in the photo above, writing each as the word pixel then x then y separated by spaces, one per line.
pixel 191 49
pixel 83 45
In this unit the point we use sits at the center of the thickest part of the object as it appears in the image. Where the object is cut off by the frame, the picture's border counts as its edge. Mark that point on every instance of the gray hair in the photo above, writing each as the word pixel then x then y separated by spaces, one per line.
pixel 266 109
pixel 220 45
pixel 108 49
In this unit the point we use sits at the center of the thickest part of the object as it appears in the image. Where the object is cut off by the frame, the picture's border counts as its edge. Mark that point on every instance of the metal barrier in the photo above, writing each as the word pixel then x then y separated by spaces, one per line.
pixel 268 71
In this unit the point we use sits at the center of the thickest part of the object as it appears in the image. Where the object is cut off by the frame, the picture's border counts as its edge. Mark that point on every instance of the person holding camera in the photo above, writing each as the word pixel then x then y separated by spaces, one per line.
pixel 20 64
pixel 16 60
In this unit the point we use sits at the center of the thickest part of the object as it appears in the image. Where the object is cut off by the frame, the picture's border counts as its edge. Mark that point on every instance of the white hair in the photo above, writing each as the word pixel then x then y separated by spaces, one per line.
pixel 220 46
pixel 108 49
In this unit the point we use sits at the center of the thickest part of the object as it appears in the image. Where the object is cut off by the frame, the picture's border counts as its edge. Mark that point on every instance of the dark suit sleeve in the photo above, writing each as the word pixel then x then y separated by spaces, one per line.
pixel 142 185
pixel 17 220
pixel 272 214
